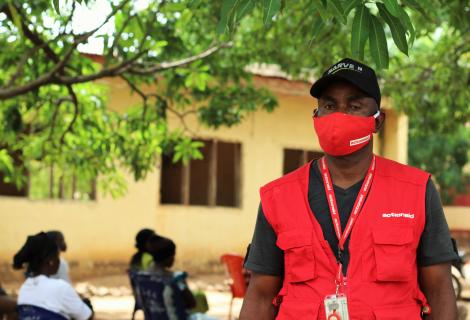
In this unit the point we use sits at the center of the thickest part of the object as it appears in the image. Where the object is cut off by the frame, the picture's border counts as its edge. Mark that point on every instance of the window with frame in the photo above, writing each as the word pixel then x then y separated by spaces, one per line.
pixel 11 190
pixel 211 181
pixel 295 158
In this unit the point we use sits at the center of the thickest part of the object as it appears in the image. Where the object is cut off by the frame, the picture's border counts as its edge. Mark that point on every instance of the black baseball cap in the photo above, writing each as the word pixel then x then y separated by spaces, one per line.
pixel 352 71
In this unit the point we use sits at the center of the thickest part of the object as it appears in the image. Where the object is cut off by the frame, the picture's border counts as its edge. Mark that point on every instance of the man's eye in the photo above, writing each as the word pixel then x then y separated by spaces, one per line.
pixel 356 107
pixel 328 106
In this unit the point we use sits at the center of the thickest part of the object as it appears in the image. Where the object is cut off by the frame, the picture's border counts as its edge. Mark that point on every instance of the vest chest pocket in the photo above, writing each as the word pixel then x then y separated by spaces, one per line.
pixel 394 255
pixel 299 258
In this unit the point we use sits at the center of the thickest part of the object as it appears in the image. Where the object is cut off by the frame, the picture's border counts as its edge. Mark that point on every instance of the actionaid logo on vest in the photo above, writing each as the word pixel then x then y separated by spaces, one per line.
pixel 398 215
pixel 344 65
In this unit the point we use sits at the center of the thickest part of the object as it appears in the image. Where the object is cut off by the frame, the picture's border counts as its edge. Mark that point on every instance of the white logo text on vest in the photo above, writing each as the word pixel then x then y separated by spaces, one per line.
pixel 398 215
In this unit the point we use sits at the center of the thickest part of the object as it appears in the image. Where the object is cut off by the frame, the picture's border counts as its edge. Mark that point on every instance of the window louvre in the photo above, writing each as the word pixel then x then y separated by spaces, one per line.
pixel 211 181
pixel 295 158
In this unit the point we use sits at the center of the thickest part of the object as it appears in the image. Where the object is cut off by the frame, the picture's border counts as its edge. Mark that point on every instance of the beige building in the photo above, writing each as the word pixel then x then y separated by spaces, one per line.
pixel 206 209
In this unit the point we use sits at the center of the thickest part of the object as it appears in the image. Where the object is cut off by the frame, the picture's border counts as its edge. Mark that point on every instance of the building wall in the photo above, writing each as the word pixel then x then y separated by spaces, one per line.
pixel 104 230
pixel 458 218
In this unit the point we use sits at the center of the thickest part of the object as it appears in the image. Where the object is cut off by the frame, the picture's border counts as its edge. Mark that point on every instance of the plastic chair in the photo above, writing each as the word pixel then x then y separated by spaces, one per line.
pixel 138 303
pixel 29 312
pixel 150 289
pixel 234 267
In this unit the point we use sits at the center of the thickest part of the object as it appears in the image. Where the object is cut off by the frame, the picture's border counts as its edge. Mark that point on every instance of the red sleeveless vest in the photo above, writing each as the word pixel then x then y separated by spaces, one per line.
pixel 382 279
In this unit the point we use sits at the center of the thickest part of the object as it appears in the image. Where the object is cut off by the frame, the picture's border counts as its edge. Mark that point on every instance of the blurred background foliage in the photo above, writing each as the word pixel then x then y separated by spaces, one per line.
pixel 54 114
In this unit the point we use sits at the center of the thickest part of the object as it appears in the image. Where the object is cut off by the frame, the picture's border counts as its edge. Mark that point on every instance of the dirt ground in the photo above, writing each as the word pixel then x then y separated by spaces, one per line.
pixel 112 298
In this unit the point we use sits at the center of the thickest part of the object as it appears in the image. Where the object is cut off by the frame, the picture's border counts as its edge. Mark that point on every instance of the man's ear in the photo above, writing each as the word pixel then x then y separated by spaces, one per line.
pixel 379 122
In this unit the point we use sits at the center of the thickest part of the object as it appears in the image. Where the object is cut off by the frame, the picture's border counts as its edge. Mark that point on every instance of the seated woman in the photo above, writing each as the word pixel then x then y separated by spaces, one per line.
pixel 142 260
pixel 41 256
pixel 164 258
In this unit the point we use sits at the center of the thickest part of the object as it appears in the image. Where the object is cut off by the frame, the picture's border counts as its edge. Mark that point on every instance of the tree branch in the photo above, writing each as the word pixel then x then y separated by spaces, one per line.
pixel 109 54
pixel 6 93
pixel 57 76
pixel 106 20
pixel 21 63
pixel 49 77
pixel 32 36
pixel 181 117
pixel 178 63
pixel 110 72
pixel 74 100
pixel 70 17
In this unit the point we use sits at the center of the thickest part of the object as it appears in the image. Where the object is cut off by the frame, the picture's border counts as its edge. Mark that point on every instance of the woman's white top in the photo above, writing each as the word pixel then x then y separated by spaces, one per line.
pixel 55 295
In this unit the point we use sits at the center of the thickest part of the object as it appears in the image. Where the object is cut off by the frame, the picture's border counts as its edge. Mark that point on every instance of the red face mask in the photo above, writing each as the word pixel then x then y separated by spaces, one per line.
pixel 340 134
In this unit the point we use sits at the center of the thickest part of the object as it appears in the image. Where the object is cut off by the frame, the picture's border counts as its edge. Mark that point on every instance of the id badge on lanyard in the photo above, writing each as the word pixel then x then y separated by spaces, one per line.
pixel 336 305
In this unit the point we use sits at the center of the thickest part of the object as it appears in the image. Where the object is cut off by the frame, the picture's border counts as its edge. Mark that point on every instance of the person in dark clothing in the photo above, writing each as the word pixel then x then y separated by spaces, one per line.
pixel 350 235
pixel 40 254
pixel 142 259
pixel 164 258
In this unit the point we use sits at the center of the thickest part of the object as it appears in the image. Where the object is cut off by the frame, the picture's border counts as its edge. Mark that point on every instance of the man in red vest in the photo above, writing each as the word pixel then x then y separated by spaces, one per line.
pixel 351 235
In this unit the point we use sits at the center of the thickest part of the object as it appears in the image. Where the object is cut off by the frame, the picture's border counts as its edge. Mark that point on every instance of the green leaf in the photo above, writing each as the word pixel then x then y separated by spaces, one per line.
pixel 406 21
pixel 245 7
pixel 378 43
pixel 225 15
pixel 393 7
pixel 360 31
pixel 338 10
pixel 317 28
pixel 271 7
pixel 15 15
pixel 6 162
pixel 177 156
pixel 136 28
pixel 159 44
pixel 197 144
pixel 351 5
pixel 197 155
pixel 397 29
pixel 175 7
pixel 56 5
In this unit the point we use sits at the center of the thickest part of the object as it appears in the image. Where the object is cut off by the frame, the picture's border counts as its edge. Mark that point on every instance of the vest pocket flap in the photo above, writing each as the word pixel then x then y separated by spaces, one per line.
pixel 393 252
pixel 294 239
pixel 298 254
pixel 393 235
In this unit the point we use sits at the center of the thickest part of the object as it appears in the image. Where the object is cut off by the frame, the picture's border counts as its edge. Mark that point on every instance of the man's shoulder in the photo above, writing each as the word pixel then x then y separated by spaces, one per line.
pixel 399 171
pixel 291 177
